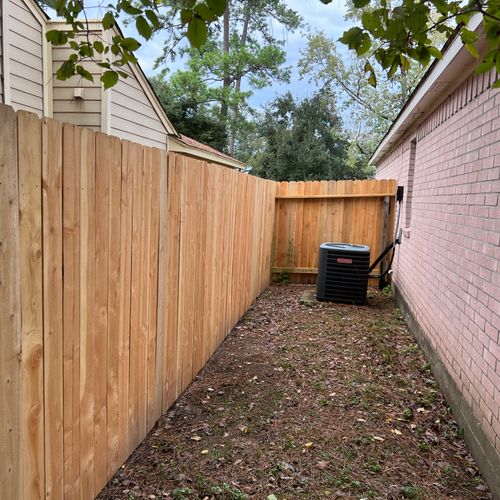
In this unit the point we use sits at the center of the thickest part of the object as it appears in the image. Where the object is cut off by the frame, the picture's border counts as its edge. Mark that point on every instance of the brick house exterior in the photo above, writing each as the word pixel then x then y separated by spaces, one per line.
pixel 444 147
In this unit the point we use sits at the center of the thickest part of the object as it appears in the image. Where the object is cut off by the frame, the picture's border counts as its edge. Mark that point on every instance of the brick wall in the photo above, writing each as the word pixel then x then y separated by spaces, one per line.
pixel 448 265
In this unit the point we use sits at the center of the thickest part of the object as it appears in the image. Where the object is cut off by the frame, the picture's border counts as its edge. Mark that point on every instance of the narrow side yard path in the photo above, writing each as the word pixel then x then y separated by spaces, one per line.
pixel 307 401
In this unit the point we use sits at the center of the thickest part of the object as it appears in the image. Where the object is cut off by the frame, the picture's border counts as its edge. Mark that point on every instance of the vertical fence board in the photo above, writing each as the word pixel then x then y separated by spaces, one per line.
pixel 30 210
pixel 171 347
pixel 10 313
pixel 162 282
pixel 53 306
pixel 136 362
pixel 126 213
pixel 114 334
pixel 152 414
pixel 87 328
pixel 102 170
pixel 71 309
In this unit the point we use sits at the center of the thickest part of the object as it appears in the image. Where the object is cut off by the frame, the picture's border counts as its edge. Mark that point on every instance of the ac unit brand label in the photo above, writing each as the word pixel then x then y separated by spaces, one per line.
pixel 341 260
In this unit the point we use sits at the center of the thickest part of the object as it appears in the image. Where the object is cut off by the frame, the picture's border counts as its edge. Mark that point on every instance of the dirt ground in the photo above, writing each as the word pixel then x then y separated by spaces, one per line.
pixel 307 401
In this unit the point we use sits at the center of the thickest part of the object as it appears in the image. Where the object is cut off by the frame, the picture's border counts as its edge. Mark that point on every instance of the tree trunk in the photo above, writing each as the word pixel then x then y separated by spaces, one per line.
pixel 235 111
pixel 226 80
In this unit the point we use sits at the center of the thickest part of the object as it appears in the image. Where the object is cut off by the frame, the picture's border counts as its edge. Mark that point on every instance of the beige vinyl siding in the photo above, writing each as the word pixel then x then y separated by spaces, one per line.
pixel 25 58
pixel 85 112
pixel 132 115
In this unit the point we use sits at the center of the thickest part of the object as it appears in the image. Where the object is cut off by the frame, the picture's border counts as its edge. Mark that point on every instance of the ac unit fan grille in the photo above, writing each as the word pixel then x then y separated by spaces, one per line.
pixel 343 273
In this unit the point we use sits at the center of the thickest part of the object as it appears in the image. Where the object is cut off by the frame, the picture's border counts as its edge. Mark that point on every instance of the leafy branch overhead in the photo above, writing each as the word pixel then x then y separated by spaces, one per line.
pixel 395 35
pixel 391 33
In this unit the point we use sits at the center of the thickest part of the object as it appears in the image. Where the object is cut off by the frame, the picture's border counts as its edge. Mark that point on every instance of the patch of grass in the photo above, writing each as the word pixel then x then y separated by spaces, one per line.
pixel 411 349
pixel 373 467
pixel 181 493
pixel 424 447
pixel 426 367
pixel 288 443
pixel 318 385
pixel 430 397
pixel 407 413
pixel 410 491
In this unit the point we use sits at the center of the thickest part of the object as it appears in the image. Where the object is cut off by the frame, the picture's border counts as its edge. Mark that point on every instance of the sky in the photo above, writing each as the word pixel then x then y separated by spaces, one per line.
pixel 328 18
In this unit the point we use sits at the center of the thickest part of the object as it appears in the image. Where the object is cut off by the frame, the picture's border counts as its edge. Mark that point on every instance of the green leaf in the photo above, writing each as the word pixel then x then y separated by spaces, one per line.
pixel 359 4
pixel 56 37
pixel 153 18
pixel 484 67
pixel 85 50
pixel 352 37
pixel 472 49
pixel 143 27
pixel 99 47
pixel 108 21
pixel 131 10
pixel 84 73
pixel 66 70
pixel 205 13
pixel 496 85
pixel 435 52
pixel 370 21
pixel 197 32
pixel 218 6
pixel 109 78
pixel 364 46
pixel 468 36
pixel 186 16
pixel 393 69
pixel 130 44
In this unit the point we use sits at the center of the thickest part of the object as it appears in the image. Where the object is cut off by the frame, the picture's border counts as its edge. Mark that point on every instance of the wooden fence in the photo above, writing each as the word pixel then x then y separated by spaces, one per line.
pixel 122 268
pixel 310 213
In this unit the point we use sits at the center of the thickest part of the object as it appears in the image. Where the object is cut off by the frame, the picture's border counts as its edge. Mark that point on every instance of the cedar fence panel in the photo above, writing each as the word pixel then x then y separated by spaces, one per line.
pixel 122 269
pixel 119 277
pixel 310 213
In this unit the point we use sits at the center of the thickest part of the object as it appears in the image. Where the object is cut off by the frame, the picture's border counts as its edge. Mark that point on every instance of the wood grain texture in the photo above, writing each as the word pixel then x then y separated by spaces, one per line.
pixel 31 268
pixel 71 309
pixel 311 213
pixel 53 307
pixel 87 326
pixel 10 309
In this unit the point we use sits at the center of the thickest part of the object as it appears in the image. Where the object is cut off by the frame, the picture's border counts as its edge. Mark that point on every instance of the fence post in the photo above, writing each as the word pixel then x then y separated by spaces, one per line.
pixel 385 227
pixel 10 316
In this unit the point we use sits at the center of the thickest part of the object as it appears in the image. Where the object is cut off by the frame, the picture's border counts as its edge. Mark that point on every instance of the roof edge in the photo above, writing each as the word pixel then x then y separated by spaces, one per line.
pixel 177 145
pixel 430 87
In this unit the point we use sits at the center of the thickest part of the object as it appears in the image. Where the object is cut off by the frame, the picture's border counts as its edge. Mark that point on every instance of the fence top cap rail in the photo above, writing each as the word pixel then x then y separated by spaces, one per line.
pixel 339 195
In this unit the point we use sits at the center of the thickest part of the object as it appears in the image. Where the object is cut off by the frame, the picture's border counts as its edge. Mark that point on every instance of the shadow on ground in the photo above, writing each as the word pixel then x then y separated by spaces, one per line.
pixel 307 400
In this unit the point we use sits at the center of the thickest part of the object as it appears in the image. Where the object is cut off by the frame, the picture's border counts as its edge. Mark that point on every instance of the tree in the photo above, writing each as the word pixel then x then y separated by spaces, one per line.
pixel 393 33
pixel 303 141
pixel 370 110
pixel 191 117
pixel 240 48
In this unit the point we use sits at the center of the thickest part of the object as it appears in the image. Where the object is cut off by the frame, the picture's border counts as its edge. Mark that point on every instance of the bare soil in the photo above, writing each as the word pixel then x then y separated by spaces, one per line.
pixel 307 400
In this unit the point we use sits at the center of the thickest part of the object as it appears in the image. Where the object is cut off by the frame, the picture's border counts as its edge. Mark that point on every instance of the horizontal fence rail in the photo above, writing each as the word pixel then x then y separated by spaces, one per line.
pixel 122 269
pixel 313 212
